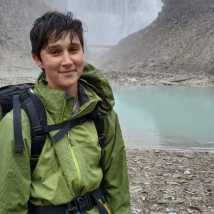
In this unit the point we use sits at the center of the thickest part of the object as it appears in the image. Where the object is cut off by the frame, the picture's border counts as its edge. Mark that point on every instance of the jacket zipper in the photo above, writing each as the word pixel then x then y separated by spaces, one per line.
pixel 75 161
pixel 72 150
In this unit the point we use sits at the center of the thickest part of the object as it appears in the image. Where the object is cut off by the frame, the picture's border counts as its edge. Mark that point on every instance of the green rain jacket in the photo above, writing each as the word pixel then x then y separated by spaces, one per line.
pixel 69 168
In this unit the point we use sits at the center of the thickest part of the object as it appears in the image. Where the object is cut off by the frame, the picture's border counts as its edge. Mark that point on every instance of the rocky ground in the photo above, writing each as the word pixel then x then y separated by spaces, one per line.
pixel 171 182
pixel 12 81
pixel 153 76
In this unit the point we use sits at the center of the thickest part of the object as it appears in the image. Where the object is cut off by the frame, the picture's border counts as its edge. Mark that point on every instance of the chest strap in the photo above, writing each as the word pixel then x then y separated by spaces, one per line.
pixel 77 206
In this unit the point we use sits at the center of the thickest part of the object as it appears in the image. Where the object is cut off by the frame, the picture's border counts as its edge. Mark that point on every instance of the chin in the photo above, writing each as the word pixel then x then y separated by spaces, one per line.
pixel 69 84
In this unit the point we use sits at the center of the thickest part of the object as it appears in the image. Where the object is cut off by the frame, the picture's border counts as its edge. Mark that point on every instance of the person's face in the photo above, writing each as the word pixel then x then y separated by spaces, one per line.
pixel 63 63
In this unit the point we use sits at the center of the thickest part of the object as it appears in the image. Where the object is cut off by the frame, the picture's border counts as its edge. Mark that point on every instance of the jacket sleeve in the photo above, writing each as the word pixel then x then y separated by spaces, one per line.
pixel 14 171
pixel 115 175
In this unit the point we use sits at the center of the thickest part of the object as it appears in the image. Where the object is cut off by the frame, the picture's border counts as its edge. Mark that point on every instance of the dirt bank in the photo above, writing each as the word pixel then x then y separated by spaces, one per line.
pixel 152 76
pixel 171 182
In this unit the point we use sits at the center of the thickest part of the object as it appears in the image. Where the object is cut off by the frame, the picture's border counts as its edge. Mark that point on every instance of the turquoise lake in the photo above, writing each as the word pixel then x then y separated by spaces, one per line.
pixel 155 117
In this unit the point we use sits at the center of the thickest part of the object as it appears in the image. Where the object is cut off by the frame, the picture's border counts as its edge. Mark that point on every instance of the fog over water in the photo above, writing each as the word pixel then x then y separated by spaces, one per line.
pixel 108 21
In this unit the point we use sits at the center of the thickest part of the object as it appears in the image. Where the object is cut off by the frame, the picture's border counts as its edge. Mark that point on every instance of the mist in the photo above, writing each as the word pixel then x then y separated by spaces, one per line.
pixel 108 21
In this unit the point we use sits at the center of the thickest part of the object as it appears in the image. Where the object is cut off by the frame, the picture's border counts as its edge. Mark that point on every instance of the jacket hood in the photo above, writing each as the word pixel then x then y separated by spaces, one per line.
pixel 95 79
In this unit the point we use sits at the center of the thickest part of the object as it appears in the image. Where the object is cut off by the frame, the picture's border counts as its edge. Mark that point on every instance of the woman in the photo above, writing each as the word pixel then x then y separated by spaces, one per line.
pixel 68 172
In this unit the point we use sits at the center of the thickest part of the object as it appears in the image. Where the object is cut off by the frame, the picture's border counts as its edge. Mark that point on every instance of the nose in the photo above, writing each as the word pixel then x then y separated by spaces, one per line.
pixel 66 59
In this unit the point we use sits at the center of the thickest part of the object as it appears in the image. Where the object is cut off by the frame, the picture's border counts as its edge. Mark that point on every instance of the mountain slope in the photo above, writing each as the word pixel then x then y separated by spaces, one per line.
pixel 180 39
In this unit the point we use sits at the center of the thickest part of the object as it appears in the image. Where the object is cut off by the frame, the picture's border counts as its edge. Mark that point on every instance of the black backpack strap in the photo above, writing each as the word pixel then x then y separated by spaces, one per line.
pixel 66 128
pixel 98 195
pixel 17 125
pixel 98 119
pixel 35 110
pixel 95 115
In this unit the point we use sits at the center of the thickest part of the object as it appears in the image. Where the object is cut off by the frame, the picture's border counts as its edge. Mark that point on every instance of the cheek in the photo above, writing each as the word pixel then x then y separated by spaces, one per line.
pixel 51 64
pixel 80 60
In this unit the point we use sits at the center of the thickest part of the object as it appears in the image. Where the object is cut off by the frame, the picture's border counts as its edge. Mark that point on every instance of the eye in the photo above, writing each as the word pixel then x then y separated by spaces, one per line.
pixel 73 49
pixel 55 52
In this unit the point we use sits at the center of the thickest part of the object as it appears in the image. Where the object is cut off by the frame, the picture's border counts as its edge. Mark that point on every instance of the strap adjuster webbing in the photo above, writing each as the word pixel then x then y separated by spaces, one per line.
pixel 37 131
pixel 101 139
pixel 24 97
pixel 34 160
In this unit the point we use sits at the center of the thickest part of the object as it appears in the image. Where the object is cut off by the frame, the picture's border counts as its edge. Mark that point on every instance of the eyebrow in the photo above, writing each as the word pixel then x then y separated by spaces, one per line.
pixel 77 44
pixel 56 46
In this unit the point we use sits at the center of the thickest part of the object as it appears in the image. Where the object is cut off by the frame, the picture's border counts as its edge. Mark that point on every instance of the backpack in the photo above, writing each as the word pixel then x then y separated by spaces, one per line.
pixel 19 97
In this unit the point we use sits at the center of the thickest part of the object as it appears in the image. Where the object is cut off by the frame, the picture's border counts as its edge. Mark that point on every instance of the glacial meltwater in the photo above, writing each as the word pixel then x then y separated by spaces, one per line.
pixel 166 117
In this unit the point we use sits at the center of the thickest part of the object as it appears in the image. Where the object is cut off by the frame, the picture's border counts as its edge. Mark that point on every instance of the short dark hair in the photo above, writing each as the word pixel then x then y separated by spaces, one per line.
pixel 53 26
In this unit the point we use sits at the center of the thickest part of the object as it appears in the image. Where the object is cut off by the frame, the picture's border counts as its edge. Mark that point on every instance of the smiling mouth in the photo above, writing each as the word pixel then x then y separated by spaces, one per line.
pixel 66 72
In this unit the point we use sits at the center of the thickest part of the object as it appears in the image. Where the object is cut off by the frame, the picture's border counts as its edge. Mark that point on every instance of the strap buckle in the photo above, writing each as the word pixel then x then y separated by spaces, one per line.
pixel 83 203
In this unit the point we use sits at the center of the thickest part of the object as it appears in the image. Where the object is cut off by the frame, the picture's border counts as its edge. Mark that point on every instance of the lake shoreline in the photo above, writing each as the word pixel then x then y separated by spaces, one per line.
pixel 133 77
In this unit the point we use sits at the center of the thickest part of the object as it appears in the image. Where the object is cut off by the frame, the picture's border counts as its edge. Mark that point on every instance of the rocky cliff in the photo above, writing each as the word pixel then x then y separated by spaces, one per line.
pixel 180 40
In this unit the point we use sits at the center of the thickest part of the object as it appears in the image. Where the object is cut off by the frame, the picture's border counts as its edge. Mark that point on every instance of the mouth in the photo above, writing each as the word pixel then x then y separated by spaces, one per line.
pixel 67 72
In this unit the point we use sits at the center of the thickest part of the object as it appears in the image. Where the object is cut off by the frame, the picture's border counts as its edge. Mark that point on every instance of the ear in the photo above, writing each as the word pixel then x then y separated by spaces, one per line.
pixel 37 61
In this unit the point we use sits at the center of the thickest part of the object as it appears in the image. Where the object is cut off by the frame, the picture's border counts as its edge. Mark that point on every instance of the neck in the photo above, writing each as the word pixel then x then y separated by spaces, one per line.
pixel 72 90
